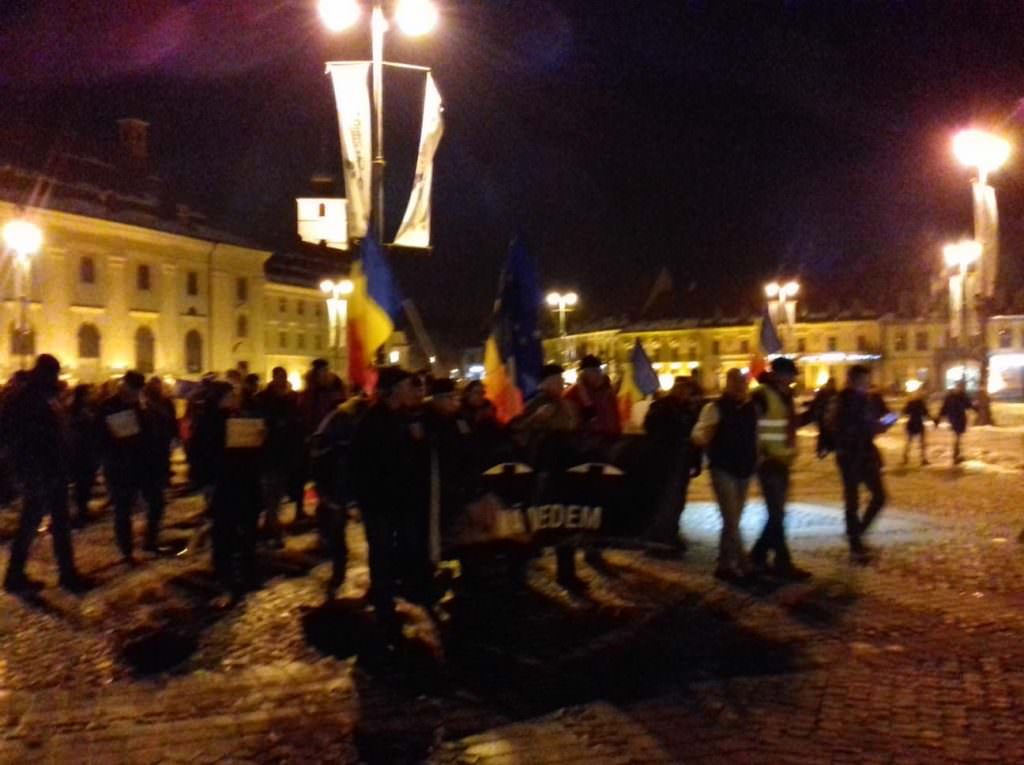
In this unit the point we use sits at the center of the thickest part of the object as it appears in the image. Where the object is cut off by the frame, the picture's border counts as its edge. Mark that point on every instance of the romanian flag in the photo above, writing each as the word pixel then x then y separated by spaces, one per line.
pixel 513 355
pixel 638 383
pixel 372 310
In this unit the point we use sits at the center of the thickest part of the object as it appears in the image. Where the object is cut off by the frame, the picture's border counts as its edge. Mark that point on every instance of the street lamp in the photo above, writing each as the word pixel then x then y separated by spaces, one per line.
pixel 960 256
pixel 337 293
pixel 414 18
pixel 23 239
pixel 781 306
pixel 986 153
pixel 560 303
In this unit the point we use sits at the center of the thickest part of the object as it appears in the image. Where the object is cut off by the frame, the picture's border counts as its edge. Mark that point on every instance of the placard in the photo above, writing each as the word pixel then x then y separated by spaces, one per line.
pixel 245 433
pixel 124 424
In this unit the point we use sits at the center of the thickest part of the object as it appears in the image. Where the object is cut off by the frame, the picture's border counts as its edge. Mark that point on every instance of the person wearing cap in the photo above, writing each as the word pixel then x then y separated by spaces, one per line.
pixel 34 429
pixel 382 474
pixel 127 464
pixel 777 423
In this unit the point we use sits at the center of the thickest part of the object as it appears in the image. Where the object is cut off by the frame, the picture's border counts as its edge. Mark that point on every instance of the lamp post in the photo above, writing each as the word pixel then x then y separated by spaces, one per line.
pixel 986 153
pixel 337 293
pixel 414 18
pixel 781 307
pixel 560 303
pixel 23 239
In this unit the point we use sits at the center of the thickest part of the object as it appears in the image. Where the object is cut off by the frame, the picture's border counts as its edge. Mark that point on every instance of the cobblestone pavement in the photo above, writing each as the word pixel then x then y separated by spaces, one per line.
pixel 918 657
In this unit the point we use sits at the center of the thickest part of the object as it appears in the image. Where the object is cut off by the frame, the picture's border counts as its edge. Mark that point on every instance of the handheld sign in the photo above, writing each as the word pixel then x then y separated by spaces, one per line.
pixel 245 433
pixel 124 424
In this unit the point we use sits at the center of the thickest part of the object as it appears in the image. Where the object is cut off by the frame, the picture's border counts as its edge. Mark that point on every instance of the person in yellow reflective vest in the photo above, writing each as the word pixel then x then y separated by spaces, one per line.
pixel 776 435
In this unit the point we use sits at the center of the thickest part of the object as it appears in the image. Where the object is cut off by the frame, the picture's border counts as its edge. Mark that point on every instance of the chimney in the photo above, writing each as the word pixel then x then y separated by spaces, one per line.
pixel 134 135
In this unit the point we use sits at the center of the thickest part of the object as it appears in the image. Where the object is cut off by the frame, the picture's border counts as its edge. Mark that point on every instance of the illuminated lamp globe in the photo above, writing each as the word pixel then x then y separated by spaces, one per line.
pixel 339 15
pixel 416 17
pixel 22 237
pixel 977 148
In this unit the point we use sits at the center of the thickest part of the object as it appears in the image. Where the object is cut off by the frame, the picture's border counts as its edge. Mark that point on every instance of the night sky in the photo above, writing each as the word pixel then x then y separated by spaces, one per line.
pixel 727 141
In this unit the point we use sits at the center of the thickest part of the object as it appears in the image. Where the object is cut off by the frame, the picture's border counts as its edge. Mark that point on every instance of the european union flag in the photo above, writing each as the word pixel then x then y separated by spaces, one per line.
pixel 516 313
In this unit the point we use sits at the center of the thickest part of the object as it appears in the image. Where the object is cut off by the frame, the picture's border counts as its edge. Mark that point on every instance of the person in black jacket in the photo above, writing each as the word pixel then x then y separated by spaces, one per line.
pixel 916 411
pixel 955 408
pixel 35 429
pixel 161 428
pixel 280 405
pixel 727 429
pixel 382 471
pixel 854 419
pixel 128 465
pixel 672 460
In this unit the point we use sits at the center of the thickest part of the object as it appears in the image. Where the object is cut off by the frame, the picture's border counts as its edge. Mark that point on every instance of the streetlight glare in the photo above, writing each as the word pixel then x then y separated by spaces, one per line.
pixel 961 253
pixel 553 299
pixel 977 148
pixel 327 286
pixel 345 287
pixel 791 289
pixel 772 289
pixel 339 15
pixel 416 17
pixel 571 299
pixel 22 237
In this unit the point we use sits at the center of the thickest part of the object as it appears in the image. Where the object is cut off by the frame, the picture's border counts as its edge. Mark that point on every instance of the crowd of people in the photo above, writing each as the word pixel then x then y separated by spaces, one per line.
pixel 409 458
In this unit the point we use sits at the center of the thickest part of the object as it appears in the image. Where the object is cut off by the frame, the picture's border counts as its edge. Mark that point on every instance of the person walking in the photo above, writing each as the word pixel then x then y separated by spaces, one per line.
pixel 382 473
pixel 316 401
pixel 818 410
pixel 854 420
pixel 280 407
pixel 672 460
pixel 727 429
pixel 916 411
pixel 35 429
pixel 777 424
pixel 129 466
pixel 84 448
pixel 954 408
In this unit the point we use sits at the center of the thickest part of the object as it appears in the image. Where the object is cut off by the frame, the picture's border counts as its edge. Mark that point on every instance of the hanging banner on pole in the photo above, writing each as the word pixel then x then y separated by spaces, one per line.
pixel 415 228
pixel 986 233
pixel 352 98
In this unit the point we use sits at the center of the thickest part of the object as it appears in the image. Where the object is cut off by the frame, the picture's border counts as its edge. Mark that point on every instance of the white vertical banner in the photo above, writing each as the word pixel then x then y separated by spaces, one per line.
pixel 415 228
pixel 352 98
pixel 986 233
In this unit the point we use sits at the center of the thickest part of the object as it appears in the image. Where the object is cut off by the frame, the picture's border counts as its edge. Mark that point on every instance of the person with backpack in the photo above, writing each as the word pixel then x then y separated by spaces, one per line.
pixel 727 430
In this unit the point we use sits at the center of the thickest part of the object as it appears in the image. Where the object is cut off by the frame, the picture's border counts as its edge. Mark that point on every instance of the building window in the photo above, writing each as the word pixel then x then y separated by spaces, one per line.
pixel 301 340
pixel 1005 338
pixel 142 278
pixel 282 339
pixel 716 348
pixel 801 345
pixel 744 346
pixel 88 342
pixel 191 284
pixel 23 343
pixel 145 351
pixel 833 344
pixel 921 341
pixel 323 210
pixel 193 352
pixel 862 343
pixel 87 270
pixel 901 341
pixel 241 289
pixel 242 326
pixel 282 305
pixel 300 307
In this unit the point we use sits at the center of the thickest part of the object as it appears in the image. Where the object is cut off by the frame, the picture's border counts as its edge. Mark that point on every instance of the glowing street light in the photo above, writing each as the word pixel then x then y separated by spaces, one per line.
pixel 781 306
pixel 24 239
pixel 337 293
pixel 414 18
pixel 981 150
pixel 560 302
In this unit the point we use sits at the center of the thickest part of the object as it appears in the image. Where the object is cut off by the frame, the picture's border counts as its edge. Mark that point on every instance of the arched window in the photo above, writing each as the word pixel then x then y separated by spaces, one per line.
pixel 193 352
pixel 23 343
pixel 87 270
pixel 323 210
pixel 145 350
pixel 88 342
pixel 242 326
